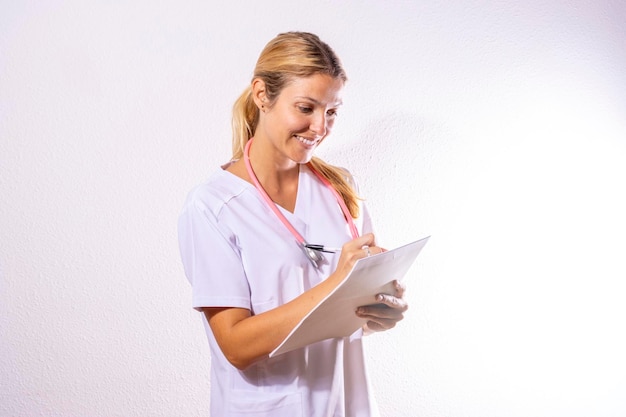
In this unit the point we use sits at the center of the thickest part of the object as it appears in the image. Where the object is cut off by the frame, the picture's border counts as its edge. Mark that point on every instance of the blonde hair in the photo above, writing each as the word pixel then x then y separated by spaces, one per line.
pixel 291 55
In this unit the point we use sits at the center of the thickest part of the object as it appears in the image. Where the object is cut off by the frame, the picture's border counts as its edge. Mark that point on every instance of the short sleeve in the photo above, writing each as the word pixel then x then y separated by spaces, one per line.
pixel 367 225
pixel 210 258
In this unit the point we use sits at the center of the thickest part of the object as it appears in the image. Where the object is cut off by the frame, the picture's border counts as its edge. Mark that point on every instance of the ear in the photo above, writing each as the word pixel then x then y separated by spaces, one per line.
pixel 259 94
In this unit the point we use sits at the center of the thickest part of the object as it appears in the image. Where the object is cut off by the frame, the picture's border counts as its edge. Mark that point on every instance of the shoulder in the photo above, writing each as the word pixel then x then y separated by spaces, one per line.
pixel 216 192
pixel 348 177
pixel 331 171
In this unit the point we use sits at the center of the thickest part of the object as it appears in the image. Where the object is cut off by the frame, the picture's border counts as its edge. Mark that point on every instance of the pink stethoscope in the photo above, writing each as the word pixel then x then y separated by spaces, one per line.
pixel 312 252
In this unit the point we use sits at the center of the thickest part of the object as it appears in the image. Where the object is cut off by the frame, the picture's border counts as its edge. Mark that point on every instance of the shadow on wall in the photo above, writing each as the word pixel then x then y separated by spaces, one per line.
pixel 405 166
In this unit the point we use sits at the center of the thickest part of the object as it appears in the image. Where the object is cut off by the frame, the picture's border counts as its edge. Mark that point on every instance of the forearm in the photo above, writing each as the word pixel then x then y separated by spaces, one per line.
pixel 245 338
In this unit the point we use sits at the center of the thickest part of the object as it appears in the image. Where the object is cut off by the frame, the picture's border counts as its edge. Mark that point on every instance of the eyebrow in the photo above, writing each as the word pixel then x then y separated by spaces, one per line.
pixel 317 102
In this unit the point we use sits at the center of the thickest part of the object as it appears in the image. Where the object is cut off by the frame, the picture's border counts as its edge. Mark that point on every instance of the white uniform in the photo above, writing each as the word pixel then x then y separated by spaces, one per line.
pixel 236 253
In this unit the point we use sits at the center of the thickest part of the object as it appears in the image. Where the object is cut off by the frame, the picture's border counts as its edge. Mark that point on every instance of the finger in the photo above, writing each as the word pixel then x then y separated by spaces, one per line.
pixel 380 327
pixel 400 288
pixel 371 250
pixel 380 312
pixel 367 239
pixel 375 250
pixel 367 251
pixel 396 303
pixel 383 323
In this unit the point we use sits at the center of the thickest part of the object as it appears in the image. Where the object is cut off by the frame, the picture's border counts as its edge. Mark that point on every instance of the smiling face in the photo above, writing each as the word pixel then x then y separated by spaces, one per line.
pixel 302 115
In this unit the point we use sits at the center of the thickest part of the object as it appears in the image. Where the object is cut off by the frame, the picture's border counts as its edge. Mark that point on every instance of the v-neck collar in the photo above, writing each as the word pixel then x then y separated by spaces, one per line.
pixel 301 209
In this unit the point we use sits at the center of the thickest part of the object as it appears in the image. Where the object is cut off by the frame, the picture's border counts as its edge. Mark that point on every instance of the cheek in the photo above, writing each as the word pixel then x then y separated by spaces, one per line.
pixel 329 125
pixel 297 124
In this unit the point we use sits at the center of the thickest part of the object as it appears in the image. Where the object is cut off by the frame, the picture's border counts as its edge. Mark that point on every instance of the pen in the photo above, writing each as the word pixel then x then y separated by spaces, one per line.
pixel 322 248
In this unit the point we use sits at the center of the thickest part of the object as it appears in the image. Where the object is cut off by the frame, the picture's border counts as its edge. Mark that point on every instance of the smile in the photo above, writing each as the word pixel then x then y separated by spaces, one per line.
pixel 307 142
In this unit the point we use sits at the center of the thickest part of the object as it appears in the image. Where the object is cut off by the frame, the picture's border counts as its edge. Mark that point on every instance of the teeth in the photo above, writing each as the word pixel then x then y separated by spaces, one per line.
pixel 306 141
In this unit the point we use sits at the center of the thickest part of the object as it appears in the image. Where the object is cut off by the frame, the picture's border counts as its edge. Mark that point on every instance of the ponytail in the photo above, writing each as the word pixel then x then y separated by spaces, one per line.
pixel 244 121
pixel 341 181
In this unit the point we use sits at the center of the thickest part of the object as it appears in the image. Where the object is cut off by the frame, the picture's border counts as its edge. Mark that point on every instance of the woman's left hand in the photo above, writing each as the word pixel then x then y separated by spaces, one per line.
pixel 388 311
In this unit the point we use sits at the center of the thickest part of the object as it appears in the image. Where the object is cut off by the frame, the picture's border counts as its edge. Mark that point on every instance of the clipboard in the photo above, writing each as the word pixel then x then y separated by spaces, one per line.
pixel 335 316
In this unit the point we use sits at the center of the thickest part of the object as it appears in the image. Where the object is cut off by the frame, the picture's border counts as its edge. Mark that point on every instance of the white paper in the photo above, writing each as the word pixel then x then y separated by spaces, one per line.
pixel 335 315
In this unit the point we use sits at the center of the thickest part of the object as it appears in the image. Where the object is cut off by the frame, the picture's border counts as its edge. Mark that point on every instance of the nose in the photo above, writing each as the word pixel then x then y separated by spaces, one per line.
pixel 319 124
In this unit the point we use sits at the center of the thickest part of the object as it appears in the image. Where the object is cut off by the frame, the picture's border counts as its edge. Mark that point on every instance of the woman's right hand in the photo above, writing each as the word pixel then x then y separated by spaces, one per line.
pixel 358 248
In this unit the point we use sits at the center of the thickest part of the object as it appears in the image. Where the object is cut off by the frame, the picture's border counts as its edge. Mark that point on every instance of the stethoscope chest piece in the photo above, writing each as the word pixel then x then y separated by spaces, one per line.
pixel 316 257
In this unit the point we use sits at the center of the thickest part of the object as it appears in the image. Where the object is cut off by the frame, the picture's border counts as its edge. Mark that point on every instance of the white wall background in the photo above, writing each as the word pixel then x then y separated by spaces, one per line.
pixel 496 126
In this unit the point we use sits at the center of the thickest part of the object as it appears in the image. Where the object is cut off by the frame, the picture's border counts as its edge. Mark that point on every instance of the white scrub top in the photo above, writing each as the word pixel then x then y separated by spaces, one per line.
pixel 236 253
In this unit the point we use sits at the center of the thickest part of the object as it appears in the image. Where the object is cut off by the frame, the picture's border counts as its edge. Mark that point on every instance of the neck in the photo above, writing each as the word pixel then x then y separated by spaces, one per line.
pixel 273 170
pixel 277 175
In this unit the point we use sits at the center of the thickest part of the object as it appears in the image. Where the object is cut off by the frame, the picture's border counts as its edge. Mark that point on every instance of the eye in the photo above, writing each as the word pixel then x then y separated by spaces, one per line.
pixel 332 113
pixel 305 109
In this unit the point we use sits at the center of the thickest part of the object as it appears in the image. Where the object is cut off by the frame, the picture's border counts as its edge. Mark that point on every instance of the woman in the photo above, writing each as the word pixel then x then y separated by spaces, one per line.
pixel 243 235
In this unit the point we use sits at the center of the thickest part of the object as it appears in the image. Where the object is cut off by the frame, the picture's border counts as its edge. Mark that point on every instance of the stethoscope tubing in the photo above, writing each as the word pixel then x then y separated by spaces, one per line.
pixel 344 209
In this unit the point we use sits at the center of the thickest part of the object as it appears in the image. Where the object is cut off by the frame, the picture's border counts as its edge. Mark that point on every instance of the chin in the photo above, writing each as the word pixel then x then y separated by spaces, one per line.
pixel 305 160
pixel 302 157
